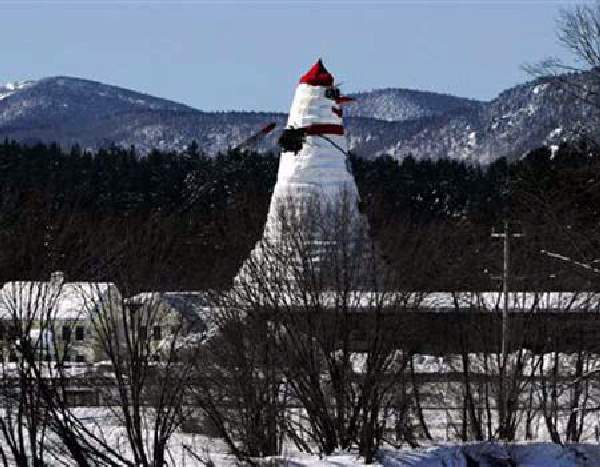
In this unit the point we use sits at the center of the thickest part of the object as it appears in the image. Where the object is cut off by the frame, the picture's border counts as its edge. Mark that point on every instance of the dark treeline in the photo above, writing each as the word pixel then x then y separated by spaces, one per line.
pixel 452 207
pixel 69 210
pixel 72 210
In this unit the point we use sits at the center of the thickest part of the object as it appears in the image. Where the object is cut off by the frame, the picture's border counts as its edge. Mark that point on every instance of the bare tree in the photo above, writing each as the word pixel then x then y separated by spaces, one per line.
pixel 333 316
pixel 143 338
pixel 24 421
pixel 39 382
pixel 143 342
pixel 578 31
pixel 237 383
pixel 146 368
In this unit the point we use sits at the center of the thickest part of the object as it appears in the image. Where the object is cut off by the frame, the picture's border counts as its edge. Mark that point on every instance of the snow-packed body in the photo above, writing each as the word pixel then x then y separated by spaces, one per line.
pixel 319 170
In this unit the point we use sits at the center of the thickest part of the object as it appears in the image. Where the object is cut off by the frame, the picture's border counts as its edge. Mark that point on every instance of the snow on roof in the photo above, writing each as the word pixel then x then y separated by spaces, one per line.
pixel 195 307
pixel 524 301
pixel 517 301
pixel 70 300
pixel 489 301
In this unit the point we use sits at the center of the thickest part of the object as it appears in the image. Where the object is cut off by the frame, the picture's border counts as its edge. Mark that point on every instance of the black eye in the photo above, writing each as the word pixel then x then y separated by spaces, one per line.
pixel 332 93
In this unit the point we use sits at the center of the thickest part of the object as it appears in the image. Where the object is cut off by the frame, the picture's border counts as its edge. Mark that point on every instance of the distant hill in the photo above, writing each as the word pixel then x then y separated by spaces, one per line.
pixel 387 121
pixel 544 112
pixel 396 105
pixel 77 111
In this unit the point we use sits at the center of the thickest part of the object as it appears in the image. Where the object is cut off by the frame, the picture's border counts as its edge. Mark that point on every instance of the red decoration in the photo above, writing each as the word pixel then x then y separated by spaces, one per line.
pixel 324 129
pixel 344 100
pixel 317 76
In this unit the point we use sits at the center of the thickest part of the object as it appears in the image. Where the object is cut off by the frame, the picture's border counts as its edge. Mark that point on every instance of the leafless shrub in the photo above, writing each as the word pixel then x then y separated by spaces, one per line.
pixel 310 325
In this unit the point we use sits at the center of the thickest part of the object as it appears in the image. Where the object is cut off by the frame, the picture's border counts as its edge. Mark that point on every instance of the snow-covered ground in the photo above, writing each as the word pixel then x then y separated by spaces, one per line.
pixel 495 455
pixel 194 450
pixel 469 455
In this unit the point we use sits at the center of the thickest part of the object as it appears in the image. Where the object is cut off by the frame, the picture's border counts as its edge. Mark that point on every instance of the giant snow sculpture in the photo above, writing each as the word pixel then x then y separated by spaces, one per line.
pixel 313 182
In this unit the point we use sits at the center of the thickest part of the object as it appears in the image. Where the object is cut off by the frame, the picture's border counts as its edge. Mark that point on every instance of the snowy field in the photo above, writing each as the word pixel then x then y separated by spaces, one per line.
pixel 194 450
pixel 470 455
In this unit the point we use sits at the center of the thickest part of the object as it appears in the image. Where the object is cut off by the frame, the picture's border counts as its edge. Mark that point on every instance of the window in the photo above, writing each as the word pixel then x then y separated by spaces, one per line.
pixel 80 358
pixel 143 333
pixel 79 333
pixel 1 332
pixel 66 357
pixel 66 333
pixel 156 333
pixel 13 356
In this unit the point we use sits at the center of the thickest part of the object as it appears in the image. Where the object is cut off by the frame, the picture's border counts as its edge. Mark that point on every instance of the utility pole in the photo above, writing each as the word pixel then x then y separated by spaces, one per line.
pixel 506 236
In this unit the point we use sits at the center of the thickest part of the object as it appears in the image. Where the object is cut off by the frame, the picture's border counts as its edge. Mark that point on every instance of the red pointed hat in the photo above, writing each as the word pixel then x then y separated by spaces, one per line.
pixel 318 75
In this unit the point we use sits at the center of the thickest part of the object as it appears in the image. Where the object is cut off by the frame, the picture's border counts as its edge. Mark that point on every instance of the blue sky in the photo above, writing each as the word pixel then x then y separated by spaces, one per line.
pixel 249 54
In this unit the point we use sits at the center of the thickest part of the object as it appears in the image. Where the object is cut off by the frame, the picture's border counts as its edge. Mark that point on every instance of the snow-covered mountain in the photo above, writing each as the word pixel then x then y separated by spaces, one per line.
pixel 406 104
pixel 11 87
pixel 76 111
pixel 389 121
pixel 546 111
pixel 543 112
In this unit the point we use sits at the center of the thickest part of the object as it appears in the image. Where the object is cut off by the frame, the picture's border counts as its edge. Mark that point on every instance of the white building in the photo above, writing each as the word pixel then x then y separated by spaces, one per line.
pixel 56 315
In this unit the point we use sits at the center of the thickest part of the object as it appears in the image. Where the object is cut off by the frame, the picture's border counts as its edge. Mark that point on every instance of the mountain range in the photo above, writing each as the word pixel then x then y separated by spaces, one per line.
pixel 397 122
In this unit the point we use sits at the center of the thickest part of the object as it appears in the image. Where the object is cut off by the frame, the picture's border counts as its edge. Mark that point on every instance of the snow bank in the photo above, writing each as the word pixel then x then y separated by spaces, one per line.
pixel 495 455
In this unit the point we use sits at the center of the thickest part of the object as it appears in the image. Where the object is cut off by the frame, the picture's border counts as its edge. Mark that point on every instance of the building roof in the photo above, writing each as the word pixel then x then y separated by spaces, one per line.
pixel 363 301
pixel 194 307
pixel 66 301
pixel 517 301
